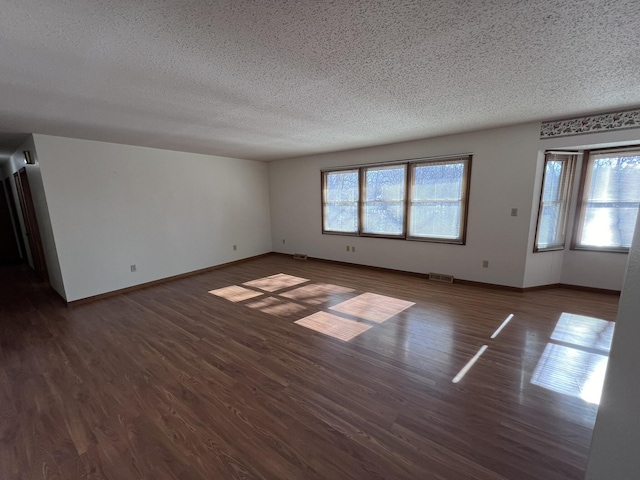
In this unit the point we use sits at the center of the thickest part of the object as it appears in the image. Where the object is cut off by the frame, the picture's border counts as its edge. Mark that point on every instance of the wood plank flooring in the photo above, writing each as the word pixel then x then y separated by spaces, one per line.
pixel 174 382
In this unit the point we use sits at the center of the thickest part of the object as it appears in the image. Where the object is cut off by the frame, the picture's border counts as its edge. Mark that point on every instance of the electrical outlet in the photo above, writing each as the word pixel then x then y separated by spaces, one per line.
pixel 514 212
pixel 485 263
pixel 235 247
pixel 348 248
pixel 133 268
pixel 353 249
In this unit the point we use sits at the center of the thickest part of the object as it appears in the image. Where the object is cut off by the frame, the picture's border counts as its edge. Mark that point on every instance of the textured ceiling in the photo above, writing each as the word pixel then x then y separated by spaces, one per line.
pixel 273 79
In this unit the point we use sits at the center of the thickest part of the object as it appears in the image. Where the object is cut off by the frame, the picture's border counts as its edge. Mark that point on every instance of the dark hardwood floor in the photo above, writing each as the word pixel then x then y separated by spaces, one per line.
pixel 173 382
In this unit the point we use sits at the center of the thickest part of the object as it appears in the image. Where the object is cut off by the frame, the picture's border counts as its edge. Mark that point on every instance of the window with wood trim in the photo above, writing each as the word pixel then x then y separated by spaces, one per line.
pixel 383 200
pixel 423 199
pixel 609 201
pixel 553 210
pixel 438 200
pixel 340 195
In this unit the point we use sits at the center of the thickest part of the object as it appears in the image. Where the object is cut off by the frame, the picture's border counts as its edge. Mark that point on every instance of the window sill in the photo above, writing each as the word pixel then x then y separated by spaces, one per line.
pixel 397 237
pixel 600 249
pixel 548 249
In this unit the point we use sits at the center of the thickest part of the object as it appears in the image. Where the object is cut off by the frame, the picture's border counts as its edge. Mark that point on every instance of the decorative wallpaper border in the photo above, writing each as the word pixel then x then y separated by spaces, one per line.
pixel 591 124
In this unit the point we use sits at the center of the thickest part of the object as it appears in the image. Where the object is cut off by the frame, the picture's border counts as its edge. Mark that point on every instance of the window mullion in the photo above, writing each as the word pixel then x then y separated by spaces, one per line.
pixel 408 189
pixel 361 197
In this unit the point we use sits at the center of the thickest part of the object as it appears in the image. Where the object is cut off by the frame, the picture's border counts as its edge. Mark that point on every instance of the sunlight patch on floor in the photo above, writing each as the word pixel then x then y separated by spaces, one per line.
pixel 334 326
pixel 276 282
pixel 372 307
pixel 235 293
pixel 584 331
pixel 317 293
pixel 365 309
pixel 275 306
pixel 469 364
pixel 572 372
pixel 575 361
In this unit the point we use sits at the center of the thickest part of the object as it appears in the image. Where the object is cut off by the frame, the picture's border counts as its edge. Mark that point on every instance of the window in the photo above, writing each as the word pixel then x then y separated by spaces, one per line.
pixel 437 204
pixel 422 199
pixel 340 201
pixel 383 200
pixel 609 201
pixel 554 201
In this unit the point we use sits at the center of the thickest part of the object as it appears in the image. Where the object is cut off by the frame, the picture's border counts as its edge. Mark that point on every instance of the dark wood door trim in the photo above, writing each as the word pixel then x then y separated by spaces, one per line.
pixel 9 251
pixel 31 223
pixel 15 220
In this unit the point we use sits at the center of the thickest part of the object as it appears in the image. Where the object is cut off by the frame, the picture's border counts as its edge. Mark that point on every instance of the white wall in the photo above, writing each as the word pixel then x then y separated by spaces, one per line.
pixel 615 444
pixel 167 212
pixel 502 177
pixel 594 269
pixel 40 204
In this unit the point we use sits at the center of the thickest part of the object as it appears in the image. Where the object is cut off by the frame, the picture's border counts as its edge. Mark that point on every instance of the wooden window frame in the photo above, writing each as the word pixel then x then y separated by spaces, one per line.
pixel 461 239
pixel 323 192
pixel 566 183
pixel 466 159
pixel 585 179
pixel 362 202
